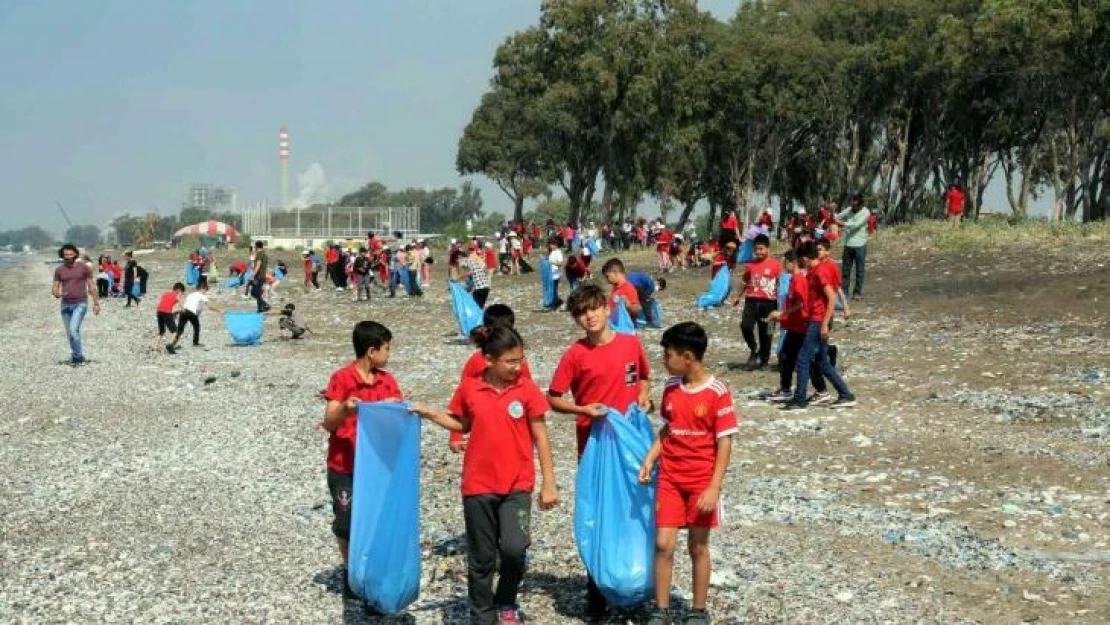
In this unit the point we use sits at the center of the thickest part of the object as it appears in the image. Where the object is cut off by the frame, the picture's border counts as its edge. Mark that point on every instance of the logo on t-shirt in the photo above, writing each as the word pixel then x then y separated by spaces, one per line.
pixel 516 409
pixel 701 410
pixel 630 376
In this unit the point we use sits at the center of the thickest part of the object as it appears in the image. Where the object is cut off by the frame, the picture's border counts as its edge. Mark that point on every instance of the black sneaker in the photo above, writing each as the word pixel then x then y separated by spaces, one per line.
pixel 696 617
pixel 753 360
pixel 847 401
pixel 793 406
pixel 77 362
pixel 780 396
pixel 660 616
pixel 171 349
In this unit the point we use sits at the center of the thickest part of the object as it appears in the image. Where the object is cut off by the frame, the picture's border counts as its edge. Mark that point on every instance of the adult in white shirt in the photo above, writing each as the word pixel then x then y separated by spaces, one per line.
pixel 557 261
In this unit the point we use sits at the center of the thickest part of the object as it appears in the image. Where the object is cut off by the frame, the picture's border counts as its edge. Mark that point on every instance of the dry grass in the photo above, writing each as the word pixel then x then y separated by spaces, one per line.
pixel 992 233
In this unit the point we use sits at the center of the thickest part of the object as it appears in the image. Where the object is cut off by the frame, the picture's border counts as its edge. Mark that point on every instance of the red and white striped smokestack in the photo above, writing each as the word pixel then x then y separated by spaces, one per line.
pixel 283 166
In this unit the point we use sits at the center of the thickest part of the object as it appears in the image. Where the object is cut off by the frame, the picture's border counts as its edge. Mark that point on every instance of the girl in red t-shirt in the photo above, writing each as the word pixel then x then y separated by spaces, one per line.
pixel 503 412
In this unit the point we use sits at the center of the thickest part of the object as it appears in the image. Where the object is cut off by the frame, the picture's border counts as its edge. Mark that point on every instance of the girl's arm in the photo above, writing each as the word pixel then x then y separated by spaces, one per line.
pixel 549 493
pixel 445 420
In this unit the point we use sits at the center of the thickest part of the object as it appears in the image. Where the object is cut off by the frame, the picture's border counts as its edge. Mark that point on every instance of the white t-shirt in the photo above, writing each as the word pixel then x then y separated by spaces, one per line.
pixel 195 301
pixel 556 260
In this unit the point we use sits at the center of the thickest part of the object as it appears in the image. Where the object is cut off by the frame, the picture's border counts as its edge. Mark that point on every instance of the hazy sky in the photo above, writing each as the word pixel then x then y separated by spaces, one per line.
pixel 114 106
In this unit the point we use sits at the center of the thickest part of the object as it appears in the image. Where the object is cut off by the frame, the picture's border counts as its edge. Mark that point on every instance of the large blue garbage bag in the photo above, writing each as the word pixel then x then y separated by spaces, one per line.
pixel 279 274
pixel 614 515
pixel 746 254
pixel 136 289
pixel 384 554
pixel 718 290
pixel 656 315
pixel 784 290
pixel 192 274
pixel 467 313
pixel 233 282
pixel 244 327
pixel 591 244
pixel 620 320
pixel 406 279
pixel 547 284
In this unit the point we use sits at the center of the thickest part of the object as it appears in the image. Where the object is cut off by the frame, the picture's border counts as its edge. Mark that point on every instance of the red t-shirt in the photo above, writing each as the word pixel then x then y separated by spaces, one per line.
pixel 331 256
pixel 956 200
pixel 663 240
pixel 626 291
pixel 719 261
pixel 345 384
pixel 240 266
pixel 765 219
pixel 167 301
pixel 608 374
pixel 499 455
pixel 730 223
pixel 762 279
pixel 695 418
pixel 475 367
pixel 798 292
pixel 824 274
pixel 375 245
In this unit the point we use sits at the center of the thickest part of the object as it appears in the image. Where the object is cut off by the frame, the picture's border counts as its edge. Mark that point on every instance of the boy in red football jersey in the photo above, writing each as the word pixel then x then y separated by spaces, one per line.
pixel 693 448
pixel 622 288
pixel 605 369
pixel 503 411
pixel 497 314
pixel 823 282
pixel 169 304
pixel 760 294
pixel 793 322
pixel 365 379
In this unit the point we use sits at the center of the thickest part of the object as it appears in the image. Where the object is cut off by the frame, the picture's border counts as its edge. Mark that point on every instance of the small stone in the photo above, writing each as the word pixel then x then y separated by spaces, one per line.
pixel 845 596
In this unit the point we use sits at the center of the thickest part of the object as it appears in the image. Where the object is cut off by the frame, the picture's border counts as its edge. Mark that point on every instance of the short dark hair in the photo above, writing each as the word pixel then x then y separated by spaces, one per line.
pixel 67 246
pixel 497 339
pixel 791 256
pixel 613 264
pixel 177 286
pixel 369 335
pixel 808 250
pixel 686 337
pixel 587 297
pixel 823 242
pixel 761 239
pixel 499 314
pixel 258 245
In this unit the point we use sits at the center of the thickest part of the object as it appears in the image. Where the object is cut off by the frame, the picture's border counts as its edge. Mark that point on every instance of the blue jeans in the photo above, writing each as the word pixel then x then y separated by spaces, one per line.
pixel 72 316
pixel 854 257
pixel 815 351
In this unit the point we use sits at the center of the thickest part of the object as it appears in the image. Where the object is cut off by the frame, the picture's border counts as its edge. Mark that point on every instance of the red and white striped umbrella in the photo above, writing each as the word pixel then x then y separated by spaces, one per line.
pixel 210 228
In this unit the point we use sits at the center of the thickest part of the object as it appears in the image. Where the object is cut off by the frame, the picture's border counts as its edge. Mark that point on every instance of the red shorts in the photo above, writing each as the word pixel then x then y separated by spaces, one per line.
pixel 676 506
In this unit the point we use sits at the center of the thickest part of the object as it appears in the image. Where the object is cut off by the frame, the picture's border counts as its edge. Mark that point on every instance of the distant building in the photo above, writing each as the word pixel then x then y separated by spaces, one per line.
pixel 211 198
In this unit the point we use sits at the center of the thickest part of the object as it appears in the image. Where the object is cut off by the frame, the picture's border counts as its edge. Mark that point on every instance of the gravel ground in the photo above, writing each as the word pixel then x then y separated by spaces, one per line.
pixel 970 486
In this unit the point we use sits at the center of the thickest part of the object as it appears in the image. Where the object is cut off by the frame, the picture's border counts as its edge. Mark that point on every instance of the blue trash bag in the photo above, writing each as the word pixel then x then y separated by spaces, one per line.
pixel 620 320
pixel 784 290
pixel 746 253
pixel 591 244
pixel 656 315
pixel 192 274
pixel 614 514
pixel 547 284
pixel 384 554
pixel 136 289
pixel 406 278
pixel 244 327
pixel 279 274
pixel 467 313
pixel 233 282
pixel 718 290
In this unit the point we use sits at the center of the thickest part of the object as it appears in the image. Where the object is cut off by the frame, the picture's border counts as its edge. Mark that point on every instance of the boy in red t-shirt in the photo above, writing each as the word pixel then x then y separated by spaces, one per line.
pixel 613 269
pixel 604 370
pixel 793 322
pixel 693 449
pixel 760 294
pixel 169 303
pixel 823 283
pixel 663 248
pixel 503 411
pixel 365 379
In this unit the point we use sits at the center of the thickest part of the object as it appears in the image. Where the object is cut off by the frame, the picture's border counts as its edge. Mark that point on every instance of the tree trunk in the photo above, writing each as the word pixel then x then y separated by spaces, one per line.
pixel 711 220
pixel 607 202
pixel 518 208
pixel 687 210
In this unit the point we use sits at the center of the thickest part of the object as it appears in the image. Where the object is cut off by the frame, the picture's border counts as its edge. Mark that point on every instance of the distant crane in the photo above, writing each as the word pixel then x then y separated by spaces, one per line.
pixel 64 214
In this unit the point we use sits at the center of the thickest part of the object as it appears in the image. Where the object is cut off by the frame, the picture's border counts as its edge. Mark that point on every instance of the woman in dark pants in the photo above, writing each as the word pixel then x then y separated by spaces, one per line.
pixel 130 270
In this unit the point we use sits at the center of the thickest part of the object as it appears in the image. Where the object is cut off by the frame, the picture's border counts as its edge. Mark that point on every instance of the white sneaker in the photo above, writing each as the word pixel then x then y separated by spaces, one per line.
pixel 821 399
pixel 780 396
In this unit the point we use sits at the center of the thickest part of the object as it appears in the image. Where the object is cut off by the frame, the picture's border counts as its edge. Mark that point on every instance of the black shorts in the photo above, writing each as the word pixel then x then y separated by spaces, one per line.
pixel 342 487
pixel 167 321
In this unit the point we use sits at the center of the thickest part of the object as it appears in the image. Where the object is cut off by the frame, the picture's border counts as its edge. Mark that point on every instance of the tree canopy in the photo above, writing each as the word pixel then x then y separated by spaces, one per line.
pixel 801 100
